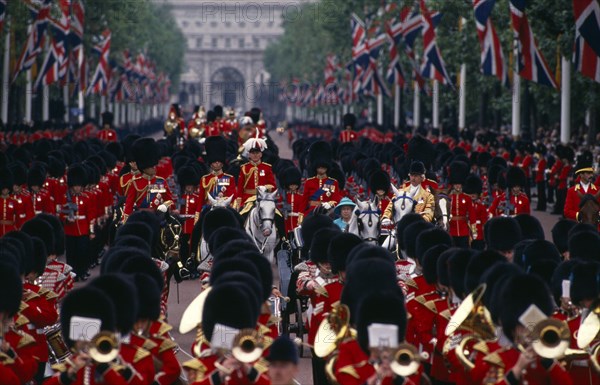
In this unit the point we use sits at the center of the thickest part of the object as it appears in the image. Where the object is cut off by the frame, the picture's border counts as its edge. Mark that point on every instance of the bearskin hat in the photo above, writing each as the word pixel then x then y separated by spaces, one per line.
pixel 383 308
pixel 516 177
pixel 340 247
pixel 148 297
pixel 145 153
pixel 560 234
pixel 349 120
pixel 502 233
pixel 380 180
pixel 531 228
pixel 77 175
pixel 123 294
pixel 473 185
pixel 458 172
pixel 216 148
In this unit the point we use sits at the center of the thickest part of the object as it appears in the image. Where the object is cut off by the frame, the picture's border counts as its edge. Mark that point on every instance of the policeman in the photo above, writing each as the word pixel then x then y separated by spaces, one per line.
pixel 255 173
pixel 148 191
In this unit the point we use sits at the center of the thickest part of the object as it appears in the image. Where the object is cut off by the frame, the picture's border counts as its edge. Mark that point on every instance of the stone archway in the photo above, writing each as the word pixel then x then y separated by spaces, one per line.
pixel 227 85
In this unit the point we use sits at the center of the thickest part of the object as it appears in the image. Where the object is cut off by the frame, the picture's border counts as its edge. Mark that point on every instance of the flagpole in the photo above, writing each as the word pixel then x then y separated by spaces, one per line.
pixel 80 100
pixel 92 106
pixel 416 106
pixel 436 105
pixel 102 103
pixel 66 101
pixel 116 114
pixel 565 101
pixel 462 94
pixel 516 96
pixel 380 108
pixel 396 106
pixel 6 74
pixel 45 103
pixel 28 89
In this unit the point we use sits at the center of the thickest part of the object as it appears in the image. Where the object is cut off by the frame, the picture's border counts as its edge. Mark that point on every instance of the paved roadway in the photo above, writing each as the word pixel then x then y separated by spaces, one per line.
pixel 181 295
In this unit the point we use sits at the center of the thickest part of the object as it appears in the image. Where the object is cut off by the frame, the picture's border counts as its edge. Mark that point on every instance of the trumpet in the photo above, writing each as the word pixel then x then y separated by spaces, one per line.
pixel 549 338
pixel 247 346
pixel 104 347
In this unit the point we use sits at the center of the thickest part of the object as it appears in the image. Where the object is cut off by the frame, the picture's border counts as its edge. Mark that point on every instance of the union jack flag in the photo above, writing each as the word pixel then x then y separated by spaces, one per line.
pixel 394 73
pixel 49 72
pixel 492 57
pixel 2 13
pixel 35 39
pixel 330 68
pixel 360 52
pixel 530 61
pixel 372 84
pixel 411 29
pixel 99 83
pixel 433 57
pixel 586 55
pixel 78 70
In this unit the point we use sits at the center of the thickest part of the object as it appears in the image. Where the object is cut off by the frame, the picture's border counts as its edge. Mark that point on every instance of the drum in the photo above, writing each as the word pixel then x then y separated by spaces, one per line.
pixel 59 351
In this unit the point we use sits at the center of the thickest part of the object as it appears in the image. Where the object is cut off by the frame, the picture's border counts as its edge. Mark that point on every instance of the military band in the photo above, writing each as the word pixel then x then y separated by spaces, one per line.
pixel 443 278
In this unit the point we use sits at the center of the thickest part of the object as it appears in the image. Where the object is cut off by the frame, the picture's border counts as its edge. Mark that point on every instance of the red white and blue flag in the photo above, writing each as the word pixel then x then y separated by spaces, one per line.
pixel 77 69
pixel 492 57
pixel 35 40
pixel 434 67
pixel 99 82
pixel 530 61
pixel 360 51
pixel 2 13
pixel 412 24
pixel 586 55
pixel 394 73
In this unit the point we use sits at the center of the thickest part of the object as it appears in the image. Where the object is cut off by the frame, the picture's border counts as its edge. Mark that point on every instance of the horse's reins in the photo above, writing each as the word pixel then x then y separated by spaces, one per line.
pixel 261 220
pixel 359 220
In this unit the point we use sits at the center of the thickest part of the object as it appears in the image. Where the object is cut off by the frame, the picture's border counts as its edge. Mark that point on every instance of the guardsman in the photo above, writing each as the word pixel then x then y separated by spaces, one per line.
pixel 540 176
pixel 195 127
pixel 379 184
pixel 174 125
pixel 122 292
pixel 86 315
pixel 56 183
pixel 527 163
pixel 255 173
pixel 291 199
pixel 567 157
pixel 41 199
pixel 525 301
pixel 20 194
pixel 473 187
pixel 348 135
pixel 321 190
pixel 126 176
pixel 217 185
pixel 20 365
pixel 189 207
pixel 8 209
pixel 212 126
pixel 107 133
pixel 585 172
pixel 148 191
pixel 462 211
pixel 231 124
pixel 161 346
pixel 515 201
pixel 77 215
pixel 221 328
pixel 424 200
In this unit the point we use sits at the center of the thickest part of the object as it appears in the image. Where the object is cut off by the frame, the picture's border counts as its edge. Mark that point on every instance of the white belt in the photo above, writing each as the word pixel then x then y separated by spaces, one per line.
pixel 580 363
pixel 294 214
pixel 22 215
pixel 80 217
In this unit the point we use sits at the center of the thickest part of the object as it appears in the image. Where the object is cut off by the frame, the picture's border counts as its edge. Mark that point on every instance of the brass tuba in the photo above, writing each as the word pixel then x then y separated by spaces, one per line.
pixel 474 317
pixel 332 330
pixel 590 328
pixel 407 360
pixel 170 127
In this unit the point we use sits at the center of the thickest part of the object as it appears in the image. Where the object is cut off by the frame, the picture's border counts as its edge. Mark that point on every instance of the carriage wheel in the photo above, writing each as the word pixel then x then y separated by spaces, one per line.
pixel 300 324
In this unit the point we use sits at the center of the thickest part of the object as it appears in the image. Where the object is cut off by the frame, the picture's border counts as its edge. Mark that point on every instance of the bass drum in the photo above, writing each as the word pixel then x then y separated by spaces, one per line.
pixel 57 347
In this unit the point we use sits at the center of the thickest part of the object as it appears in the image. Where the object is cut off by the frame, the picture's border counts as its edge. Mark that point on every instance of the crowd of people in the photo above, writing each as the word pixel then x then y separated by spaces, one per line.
pixel 457 285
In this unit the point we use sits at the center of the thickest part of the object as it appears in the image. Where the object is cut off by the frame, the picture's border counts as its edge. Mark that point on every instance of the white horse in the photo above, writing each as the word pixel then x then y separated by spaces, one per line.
pixel 443 204
pixel 220 201
pixel 365 221
pixel 260 223
pixel 403 203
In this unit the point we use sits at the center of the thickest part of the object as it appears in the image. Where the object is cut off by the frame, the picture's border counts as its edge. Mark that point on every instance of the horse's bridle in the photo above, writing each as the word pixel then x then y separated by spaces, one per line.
pixel 370 212
pixel 404 198
pixel 260 218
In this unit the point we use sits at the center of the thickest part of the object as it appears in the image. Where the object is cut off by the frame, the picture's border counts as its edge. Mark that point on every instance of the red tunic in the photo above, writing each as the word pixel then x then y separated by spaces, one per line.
pixel 573 198
pixel 86 376
pixel 25 364
pixel 519 202
pixel 251 176
pixel 481 217
pixel 43 202
pixel 81 220
pixel 462 215
pixel 8 215
pixel 217 185
pixel 189 210
pixel 107 135
pixel 293 209
pixel 147 194
pixel 347 136
pixel 540 170
pixel 555 171
pixel 321 190
pixel 565 172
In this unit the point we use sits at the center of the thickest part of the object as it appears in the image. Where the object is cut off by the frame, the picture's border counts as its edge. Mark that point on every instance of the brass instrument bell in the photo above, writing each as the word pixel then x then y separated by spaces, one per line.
pixel 589 329
pixel 247 346
pixel 406 360
pixel 104 347
pixel 332 330
pixel 473 316
pixel 550 338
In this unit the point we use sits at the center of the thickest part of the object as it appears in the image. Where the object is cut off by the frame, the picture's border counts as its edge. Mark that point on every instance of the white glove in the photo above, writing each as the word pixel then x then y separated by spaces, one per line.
pixel 326 205
pixel 202 140
pixel 162 208
pixel 386 222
